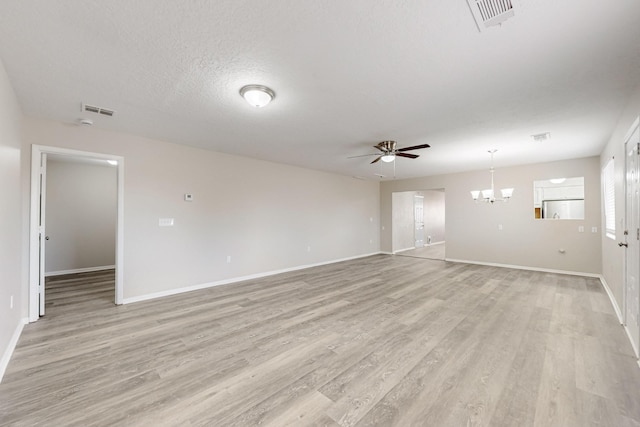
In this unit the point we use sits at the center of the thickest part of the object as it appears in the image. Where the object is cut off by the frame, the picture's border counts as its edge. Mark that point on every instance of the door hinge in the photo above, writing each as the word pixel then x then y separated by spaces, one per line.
pixel 637 233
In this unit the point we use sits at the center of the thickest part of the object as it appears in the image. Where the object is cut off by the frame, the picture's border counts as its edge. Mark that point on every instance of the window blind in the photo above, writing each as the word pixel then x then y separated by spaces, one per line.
pixel 609 198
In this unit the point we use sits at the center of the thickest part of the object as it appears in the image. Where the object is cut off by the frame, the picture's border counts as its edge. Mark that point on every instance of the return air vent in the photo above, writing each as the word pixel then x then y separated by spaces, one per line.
pixel 488 13
pixel 98 110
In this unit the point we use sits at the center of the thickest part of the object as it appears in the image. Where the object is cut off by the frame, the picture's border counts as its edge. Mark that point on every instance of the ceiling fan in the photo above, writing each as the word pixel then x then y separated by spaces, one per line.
pixel 389 151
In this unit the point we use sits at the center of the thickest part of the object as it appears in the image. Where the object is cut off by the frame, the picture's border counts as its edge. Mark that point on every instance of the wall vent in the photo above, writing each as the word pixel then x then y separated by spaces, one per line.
pixel 488 13
pixel 541 137
pixel 98 110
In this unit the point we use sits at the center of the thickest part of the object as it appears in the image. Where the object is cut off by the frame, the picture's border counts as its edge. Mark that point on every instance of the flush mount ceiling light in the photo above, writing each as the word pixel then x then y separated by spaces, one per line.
pixel 257 95
pixel 489 195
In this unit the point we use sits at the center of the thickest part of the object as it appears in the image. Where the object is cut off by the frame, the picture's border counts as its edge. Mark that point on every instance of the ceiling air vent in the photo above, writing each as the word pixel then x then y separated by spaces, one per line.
pixel 98 110
pixel 488 13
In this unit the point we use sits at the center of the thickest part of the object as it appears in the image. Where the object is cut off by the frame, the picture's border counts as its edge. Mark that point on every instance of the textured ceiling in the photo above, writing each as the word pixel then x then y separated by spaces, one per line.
pixel 347 74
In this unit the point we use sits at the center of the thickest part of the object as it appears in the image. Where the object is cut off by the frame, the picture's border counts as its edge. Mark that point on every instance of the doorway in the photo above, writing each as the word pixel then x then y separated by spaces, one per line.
pixel 38 232
pixel 418 224
pixel 632 237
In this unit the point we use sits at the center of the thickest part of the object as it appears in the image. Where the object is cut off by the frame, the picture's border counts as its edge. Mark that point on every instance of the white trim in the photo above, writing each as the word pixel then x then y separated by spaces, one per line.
pixel 636 123
pixel 79 270
pixel 614 303
pixel 36 151
pixel 6 357
pixel 633 346
pixel 405 249
pixel 522 267
pixel 235 280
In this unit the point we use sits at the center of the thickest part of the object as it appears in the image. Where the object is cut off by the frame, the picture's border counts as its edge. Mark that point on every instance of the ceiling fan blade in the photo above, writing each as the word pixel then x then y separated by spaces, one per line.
pixel 411 156
pixel 376 160
pixel 415 147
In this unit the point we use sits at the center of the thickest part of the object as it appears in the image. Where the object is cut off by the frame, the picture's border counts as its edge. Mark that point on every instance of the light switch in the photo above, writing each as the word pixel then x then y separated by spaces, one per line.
pixel 165 222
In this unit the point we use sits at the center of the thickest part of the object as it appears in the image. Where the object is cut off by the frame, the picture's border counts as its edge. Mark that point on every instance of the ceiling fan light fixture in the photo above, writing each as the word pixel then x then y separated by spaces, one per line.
pixel 257 95
pixel 388 157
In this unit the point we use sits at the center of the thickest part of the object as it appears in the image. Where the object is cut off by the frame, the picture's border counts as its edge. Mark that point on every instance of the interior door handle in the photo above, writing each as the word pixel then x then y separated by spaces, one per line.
pixel 626 245
pixel 46 238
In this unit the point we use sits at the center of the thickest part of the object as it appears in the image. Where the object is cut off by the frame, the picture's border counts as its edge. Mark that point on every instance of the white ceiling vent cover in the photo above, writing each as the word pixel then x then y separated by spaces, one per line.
pixel 97 110
pixel 488 13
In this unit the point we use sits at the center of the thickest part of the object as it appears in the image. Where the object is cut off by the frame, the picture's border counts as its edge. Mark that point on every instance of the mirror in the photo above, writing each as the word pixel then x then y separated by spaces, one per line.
pixel 559 198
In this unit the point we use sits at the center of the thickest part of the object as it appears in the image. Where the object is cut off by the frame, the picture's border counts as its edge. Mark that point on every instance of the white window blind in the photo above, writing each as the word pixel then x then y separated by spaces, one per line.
pixel 609 197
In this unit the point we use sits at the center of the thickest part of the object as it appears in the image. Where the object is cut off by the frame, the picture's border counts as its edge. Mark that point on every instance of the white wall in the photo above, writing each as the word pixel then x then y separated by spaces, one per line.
pixel 80 215
pixel 264 215
pixel 11 240
pixel 472 232
pixel 434 216
pixel 612 255
pixel 403 221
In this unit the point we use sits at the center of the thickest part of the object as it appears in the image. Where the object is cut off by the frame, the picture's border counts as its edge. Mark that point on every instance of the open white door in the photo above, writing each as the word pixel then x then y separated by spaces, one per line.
pixel 42 238
pixel 632 239
pixel 37 232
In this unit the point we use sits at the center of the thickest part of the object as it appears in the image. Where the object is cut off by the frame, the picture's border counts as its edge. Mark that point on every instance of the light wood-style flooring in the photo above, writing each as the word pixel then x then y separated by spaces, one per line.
pixel 380 341
pixel 435 251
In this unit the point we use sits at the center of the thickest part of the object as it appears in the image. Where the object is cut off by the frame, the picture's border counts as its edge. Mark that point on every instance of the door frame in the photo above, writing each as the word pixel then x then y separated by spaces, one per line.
pixel 34 247
pixel 417 197
pixel 625 262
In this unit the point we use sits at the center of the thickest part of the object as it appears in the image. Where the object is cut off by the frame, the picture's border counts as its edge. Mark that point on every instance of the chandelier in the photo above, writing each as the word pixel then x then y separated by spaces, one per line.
pixel 489 195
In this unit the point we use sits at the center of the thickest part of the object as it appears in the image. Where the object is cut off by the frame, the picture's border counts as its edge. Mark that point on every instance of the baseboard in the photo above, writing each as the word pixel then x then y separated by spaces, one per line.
pixel 633 346
pixel 434 244
pixel 404 250
pixel 6 357
pixel 79 270
pixel 614 303
pixel 524 267
pixel 616 308
pixel 235 280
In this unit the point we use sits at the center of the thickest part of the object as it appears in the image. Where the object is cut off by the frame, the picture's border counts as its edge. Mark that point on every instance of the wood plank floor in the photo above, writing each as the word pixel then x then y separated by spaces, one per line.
pixel 435 251
pixel 380 341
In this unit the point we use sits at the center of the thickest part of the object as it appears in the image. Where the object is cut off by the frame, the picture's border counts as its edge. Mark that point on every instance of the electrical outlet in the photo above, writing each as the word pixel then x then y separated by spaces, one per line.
pixel 165 222
pixel 594 229
pixel 581 229
pixel 228 259
pixel 11 302
pixel 500 227
pixel 308 248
